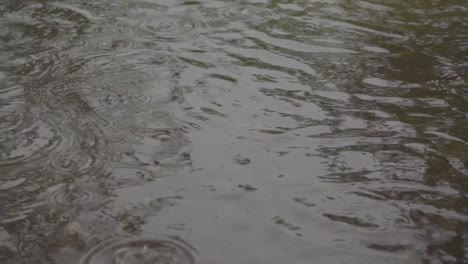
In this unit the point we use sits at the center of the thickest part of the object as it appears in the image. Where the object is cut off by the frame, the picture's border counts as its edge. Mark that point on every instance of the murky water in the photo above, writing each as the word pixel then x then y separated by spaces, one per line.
pixel 300 131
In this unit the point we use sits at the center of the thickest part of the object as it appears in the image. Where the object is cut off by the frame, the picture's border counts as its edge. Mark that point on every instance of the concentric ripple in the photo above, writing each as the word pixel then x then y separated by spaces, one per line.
pixel 71 195
pixel 35 26
pixel 75 163
pixel 118 43
pixel 211 92
pixel 146 81
pixel 132 99
pixel 26 34
pixel 40 67
pixel 239 12
pixel 105 44
pixel 120 117
pixel 27 139
pixel 141 251
pixel 169 27
pixel 158 144
pixel 44 93
pixel 114 99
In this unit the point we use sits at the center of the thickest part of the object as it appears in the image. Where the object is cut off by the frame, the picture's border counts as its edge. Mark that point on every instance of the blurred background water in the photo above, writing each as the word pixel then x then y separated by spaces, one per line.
pixel 267 131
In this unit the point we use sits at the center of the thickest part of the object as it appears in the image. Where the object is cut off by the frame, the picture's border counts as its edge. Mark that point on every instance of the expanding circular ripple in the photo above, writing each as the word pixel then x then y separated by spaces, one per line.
pixel 36 26
pixel 28 35
pixel 137 96
pixel 141 7
pixel 114 99
pixel 122 43
pixel 66 95
pixel 42 93
pixel 146 82
pixel 71 195
pixel 169 27
pixel 71 43
pixel 40 67
pixel 65 17
pixel 154 138
pixel 11 122
pixel 110 43
pixel 152 147
pixel 140 251
pixel 211 93
pixel 24 139
pixel 77 163
pixel 237 12
pixel 11 99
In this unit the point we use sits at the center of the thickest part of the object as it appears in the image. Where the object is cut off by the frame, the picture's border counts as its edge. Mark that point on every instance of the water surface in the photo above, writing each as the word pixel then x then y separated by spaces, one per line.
pixel 267 131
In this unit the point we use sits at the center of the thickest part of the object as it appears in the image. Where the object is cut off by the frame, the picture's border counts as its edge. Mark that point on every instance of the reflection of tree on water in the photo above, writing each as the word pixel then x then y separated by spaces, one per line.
pixel 453 248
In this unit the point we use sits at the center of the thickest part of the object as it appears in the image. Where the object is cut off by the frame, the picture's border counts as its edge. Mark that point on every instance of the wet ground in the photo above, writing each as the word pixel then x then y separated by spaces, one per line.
pixel 307 131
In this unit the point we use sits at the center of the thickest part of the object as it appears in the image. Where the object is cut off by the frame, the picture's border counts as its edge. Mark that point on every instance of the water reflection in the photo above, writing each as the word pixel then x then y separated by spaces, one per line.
pixel 260 131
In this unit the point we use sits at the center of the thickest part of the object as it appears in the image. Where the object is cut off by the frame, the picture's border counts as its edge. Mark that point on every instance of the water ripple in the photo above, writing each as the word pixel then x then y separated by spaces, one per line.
pixel 141 250
pixel 73 195
pixel 210 93
pixel 102 43
pixel 75 163
pixel 53 93
pixel 344 120
pixel 115 99
pixel 26 139
pixel 238 12
pixel 168 27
